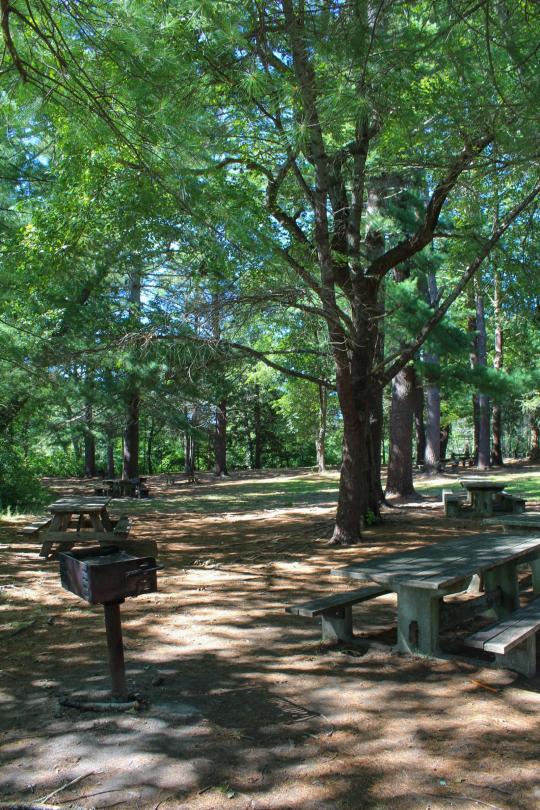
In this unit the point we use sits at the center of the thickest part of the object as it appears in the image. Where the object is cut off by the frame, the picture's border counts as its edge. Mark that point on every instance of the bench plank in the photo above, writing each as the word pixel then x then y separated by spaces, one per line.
pixel 316 607
pixel 507 634
pixel 36 527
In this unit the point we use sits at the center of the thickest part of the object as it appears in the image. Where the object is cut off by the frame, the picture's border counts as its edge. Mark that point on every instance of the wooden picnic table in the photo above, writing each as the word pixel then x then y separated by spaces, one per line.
pixel 122 487
pixel 63 510
pixel 421 578
pixel 482 494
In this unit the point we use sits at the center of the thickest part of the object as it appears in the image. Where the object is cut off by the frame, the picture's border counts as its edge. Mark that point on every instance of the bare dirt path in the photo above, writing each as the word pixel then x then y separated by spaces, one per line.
pixel 246 709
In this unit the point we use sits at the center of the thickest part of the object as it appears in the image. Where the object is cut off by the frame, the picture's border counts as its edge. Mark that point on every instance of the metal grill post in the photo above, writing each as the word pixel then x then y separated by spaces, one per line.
pixel 115 648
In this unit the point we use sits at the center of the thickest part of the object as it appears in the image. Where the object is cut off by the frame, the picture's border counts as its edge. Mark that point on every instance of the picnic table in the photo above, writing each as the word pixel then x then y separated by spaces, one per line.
pixel 120 487
pixel 482 494
pixel 421 578
pixel 63 511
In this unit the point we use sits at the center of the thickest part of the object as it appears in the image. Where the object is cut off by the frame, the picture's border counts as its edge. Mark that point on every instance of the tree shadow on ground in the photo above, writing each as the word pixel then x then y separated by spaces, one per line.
pixel 246 708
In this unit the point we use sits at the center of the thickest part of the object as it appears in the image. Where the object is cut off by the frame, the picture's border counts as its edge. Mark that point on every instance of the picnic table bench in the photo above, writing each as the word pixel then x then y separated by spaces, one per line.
pixel 173 477
pixel 36 527
pixel 336 611
pixel 513 640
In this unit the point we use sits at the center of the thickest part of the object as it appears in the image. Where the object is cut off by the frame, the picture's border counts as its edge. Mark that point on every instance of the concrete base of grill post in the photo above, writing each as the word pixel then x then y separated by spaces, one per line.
pixel 522 659
pixel 337 625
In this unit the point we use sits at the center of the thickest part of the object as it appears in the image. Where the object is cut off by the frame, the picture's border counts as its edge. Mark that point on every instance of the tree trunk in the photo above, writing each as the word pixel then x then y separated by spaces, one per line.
pixel 444 436
pixel 483 399
pixel 110 457
pixel 433 452
pixel 496 414
pixel 149 446
pixel 320 441
pixel 534 454
pixel 352 500
pixel 220 440
pixel 257 460
pixel 89 443
pixel 130 468
pixel 400 474
pixel 419 421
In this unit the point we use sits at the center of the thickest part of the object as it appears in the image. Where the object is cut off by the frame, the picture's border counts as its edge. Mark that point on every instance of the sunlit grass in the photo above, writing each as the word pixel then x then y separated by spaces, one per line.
pixel 239 496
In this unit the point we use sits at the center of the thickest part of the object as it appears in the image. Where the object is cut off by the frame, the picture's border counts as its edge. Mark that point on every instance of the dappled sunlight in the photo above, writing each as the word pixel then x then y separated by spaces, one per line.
pixel 244 699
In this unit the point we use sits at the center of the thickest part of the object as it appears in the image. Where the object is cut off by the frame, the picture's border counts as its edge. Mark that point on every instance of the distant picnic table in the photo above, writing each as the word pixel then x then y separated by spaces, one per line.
pixel 121 488
pixel 481 493
pixel 76 520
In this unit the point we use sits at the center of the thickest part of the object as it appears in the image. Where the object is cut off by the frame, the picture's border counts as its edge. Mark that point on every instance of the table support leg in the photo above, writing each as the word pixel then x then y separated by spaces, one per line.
pixel 505 578
pixel 418 620
pixel 482 503
pixel 115 648
pixel 535 570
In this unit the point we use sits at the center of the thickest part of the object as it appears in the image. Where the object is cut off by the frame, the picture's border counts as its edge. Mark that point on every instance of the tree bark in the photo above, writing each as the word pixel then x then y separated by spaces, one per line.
pixel 534 454
pixel 89 443
pixel 320 441
pixel 400 472
pixel 257 453
pixel 433 453
pixel 483 399
pixel 110 457
pixel 130 468
pixel 444 436
pixel 220 440
pixel 419 421
pixel 498 361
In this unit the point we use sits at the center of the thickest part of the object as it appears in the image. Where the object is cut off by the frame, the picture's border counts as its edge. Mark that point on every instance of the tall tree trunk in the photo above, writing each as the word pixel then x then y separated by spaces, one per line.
pixel 483 399
pixel 110 457
pixel 534 454
pixel 444 436
pixel 353 498
pixel 89 443
pixel 496 414
pixel 320 441
pixel 400 472
pixel 433 452
pixel 419 421
pixel 149 446
pixel 257 460
pixel 130 466
pixel 220 440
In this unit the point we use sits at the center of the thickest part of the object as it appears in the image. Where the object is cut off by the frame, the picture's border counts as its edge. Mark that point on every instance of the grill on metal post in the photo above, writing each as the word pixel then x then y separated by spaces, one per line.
pixel 108 576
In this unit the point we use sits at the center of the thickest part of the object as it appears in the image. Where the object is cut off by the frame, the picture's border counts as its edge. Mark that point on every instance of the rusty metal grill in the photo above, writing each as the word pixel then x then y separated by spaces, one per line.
pixel 108 576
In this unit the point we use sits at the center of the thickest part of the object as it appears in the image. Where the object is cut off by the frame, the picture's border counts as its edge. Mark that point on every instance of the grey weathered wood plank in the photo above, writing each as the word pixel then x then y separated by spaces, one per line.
pixel 316 607
pixel 503 636
pixel 440 565
pixel 523 521
pixel 79 537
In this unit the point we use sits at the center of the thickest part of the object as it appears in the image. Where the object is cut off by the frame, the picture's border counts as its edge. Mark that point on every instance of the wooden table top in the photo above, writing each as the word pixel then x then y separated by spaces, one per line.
pixel 76 503
pixel 481 483
pixel 441 565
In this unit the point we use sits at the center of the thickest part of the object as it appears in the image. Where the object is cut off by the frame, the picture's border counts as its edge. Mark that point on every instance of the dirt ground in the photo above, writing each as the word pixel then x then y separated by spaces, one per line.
pixel 244 706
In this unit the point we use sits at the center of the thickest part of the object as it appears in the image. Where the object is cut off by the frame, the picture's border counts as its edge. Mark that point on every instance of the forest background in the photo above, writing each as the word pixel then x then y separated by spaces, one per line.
pixel 267 234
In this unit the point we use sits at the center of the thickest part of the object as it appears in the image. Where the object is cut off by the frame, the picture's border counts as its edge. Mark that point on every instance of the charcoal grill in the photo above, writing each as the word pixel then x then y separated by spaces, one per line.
pixel 107 576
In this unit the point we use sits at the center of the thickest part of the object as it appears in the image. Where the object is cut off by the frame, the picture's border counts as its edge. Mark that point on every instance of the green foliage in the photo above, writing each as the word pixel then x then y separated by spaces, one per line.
pixel 20 488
